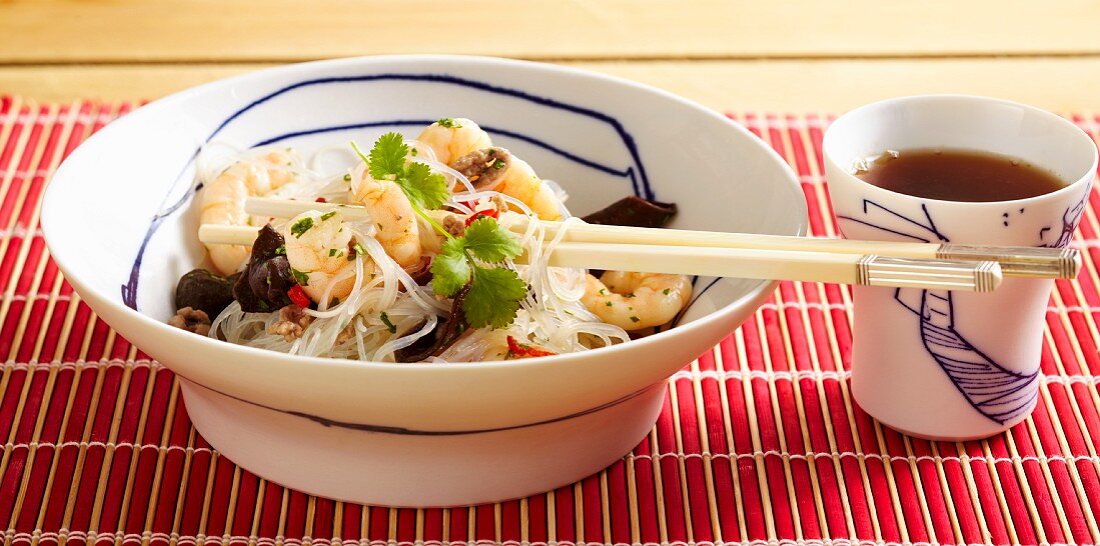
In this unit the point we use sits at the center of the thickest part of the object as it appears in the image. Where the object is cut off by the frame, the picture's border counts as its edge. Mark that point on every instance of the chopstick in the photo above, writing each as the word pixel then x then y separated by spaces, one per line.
pixel 868 270
pixel 789 265
pixel 1015 261
pixel 287 208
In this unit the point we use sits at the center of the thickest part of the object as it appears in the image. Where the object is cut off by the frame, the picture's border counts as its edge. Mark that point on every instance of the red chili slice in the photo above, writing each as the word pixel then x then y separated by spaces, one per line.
pixel 298 296
pixel 490 213
pixel 320 200
pixel 520 350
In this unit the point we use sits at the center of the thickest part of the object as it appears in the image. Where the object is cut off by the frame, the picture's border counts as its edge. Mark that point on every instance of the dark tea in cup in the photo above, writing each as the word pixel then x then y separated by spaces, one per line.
pixel 957 175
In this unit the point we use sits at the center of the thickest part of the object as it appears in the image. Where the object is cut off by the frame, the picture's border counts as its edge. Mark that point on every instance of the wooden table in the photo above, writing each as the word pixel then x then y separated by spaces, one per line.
pixel 738 55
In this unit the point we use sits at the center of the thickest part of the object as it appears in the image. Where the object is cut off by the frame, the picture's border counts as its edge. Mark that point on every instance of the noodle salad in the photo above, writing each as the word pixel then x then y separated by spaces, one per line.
pixel 426 271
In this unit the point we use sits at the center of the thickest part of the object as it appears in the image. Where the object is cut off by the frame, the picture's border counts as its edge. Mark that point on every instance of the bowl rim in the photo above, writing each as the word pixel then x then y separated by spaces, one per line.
pixel 366 62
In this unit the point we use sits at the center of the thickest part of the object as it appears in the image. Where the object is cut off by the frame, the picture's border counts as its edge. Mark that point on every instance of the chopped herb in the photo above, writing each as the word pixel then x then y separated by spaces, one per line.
pixel 302 278
pixel 332 252
pixel 603 291
pixel 328 215
pixel 634 318
pixel 301 226
pixel 449 123
pixel 499 165
pixel 665 291
pixel 281 249
pixel 609 304
pixel 389 325
pixel 358 248
pixel 335 302
pixel 413 152
pixel 347 178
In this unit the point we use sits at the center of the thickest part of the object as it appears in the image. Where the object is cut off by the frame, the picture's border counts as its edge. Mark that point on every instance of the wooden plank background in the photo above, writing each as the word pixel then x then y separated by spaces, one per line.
pixel 741 55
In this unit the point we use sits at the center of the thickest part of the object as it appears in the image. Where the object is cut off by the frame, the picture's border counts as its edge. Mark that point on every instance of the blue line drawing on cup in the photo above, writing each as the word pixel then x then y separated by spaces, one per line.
pixel 1070 219
pixel 999 394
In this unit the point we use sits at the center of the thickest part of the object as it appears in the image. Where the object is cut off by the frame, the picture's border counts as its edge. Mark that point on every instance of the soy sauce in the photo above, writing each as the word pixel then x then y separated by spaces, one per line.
pixel 957 175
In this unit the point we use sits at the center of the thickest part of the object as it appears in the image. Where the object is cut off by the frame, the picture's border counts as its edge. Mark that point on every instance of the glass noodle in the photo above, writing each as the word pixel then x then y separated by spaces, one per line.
pixel 387 310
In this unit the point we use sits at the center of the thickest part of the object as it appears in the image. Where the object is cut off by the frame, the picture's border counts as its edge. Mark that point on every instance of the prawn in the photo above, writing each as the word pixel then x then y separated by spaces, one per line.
pixel 223 201
pixel 521 182
pixel 633 301
pixel 497 169
pixel 317 247
pixel 451 139
pixel 393 215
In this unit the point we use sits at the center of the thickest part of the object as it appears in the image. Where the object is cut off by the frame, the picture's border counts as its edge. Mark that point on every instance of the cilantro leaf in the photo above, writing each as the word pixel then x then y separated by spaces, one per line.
pixel 387 157
pixel 450 268
pixel 493 297
pixel 488 241
pixel 424 188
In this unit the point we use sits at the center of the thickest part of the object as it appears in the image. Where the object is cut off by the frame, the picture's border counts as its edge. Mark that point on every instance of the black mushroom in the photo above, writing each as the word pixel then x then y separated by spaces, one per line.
pixel 484 168
pixel 634 211
pixel 263 285
pixel 205 291
pixel 445 334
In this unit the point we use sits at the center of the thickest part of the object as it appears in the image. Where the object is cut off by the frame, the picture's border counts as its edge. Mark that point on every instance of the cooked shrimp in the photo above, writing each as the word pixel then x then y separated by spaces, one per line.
pixel 393 215
pixel 633 301
pixel 223 201
pixel 317 249
pixel 521 182
pixel 451 139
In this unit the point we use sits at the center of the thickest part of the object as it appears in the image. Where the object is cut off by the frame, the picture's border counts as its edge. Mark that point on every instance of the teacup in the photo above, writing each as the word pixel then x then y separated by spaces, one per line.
pixel 954 365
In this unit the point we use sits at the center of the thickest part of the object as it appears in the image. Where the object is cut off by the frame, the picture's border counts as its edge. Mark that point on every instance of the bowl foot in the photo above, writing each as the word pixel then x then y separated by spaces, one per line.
pixel 416 469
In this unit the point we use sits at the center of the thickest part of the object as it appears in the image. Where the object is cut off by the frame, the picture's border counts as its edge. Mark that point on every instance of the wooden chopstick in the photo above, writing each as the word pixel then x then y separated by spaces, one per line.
pixel 1015 261
pixel 790 265
pixel 749 263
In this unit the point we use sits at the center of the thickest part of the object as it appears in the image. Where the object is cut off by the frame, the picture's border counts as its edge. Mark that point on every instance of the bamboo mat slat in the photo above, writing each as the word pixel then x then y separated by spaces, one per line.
pixel 758 443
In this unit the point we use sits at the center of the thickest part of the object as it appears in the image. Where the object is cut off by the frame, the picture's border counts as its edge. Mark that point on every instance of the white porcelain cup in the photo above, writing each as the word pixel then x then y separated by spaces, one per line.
pixel 954 365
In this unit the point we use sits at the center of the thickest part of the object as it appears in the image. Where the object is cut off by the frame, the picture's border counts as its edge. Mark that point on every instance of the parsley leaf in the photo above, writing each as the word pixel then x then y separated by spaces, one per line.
pixel 450 268
pixel 424 188
pixel 449 123
pixel 387 157
pixel 489 242
pixel 493 297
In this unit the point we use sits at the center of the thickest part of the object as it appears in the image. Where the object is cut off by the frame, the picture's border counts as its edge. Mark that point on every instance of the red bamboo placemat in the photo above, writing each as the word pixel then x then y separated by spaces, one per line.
pixel 759 441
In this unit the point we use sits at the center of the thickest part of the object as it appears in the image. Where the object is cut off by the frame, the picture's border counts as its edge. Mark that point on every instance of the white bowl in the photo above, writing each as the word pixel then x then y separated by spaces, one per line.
pixel 119 220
